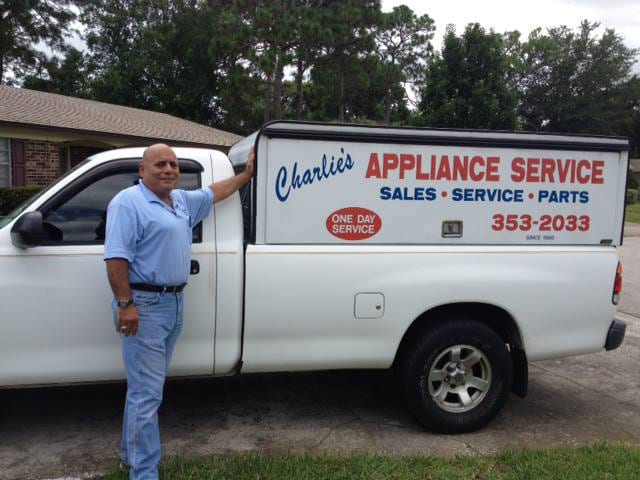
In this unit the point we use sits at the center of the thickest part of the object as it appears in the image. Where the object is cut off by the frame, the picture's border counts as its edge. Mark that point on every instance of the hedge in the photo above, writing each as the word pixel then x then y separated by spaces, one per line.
pixel 632 196
pixel 11 197
pixel 632 181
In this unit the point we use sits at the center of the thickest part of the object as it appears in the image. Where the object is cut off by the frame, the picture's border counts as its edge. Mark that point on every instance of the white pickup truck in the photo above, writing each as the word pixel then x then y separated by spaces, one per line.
pixel 454 257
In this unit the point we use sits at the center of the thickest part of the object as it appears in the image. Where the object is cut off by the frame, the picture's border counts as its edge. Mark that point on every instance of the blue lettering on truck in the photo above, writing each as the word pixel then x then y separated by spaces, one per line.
pixel 296 181
pixel 408 193
pixel 486 195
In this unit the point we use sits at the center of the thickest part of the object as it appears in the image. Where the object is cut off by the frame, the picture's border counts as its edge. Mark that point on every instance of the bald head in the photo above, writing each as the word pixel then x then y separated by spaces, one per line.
pixel 159 170
pixel 157 150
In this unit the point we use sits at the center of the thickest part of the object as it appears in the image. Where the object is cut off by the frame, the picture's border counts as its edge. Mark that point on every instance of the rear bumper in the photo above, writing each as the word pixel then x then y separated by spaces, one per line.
pixel 615 336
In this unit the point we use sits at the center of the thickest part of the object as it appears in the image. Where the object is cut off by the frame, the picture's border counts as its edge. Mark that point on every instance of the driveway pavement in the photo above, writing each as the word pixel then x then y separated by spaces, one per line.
pixel 73 431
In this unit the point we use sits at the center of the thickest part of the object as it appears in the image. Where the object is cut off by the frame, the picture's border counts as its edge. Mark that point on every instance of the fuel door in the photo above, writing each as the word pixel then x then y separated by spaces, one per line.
pixel 369 305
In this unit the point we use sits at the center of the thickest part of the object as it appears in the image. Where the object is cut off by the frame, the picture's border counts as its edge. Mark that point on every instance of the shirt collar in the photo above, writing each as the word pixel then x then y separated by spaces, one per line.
pixel 152 197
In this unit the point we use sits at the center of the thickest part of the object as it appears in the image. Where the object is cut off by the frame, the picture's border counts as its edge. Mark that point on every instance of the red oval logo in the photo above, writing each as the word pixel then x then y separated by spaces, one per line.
pixel 353 223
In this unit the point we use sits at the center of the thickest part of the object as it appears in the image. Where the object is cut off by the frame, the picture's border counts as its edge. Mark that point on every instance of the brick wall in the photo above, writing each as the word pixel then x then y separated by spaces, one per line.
pixel 42 163
pixel 78 154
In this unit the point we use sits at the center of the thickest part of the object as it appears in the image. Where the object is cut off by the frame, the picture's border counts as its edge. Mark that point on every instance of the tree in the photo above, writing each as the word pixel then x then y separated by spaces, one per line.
pixel 273 37
pixel 307 46
pixel 348 37
pixel 155 54
pixel 574 82
pixel 240 98
pixel 632 126
pixel 67 76
pixel 304 33
pixel 24 23
pixel 114 37
pixel 223 62
pixel 364 97
pixel 403 41
pixel 466 85
pixel 267 31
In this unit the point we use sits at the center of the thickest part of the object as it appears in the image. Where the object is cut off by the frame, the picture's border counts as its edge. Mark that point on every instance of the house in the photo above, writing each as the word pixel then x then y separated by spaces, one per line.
pixel 43 135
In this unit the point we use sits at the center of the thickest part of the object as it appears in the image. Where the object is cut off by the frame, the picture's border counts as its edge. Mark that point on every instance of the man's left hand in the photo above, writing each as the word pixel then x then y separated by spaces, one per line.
pixel 250 162
pixel 229 186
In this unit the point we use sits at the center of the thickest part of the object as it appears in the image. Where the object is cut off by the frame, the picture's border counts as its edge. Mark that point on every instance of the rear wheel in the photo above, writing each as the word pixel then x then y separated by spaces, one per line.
pixel 457 376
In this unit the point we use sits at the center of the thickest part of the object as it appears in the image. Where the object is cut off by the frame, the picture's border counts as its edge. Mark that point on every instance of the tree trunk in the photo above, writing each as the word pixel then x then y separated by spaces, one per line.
pixel 268 98
pixel 341 106
pixel 299 75
pixel 277 88
pixel 387 106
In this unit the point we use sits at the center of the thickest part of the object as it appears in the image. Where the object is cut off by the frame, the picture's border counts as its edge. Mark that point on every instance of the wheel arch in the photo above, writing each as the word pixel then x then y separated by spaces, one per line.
pixel 495 317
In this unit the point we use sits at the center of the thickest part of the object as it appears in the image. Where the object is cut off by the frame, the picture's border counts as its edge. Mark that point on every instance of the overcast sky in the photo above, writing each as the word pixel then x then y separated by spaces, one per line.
pixel 507 15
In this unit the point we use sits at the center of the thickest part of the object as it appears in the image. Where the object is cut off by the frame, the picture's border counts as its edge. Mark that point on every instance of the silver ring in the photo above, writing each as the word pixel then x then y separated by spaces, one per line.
pixel 123 328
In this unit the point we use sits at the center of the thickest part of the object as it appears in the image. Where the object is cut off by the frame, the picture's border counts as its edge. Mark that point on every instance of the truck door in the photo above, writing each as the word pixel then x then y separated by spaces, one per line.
pixel 57 324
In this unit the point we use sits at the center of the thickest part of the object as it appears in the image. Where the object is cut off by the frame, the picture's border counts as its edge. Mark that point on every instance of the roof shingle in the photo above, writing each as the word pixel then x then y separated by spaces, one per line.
pixel 41 109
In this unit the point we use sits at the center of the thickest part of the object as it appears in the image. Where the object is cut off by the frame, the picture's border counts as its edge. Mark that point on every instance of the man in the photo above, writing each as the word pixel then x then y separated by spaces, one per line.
pixel 148 253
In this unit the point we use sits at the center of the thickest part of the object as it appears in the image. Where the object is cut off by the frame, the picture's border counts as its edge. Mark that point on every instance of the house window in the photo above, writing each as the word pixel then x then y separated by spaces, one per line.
pixel 5 163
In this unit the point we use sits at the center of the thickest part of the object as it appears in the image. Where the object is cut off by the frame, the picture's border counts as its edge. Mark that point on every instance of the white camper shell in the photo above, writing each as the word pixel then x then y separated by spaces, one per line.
pixel 337 184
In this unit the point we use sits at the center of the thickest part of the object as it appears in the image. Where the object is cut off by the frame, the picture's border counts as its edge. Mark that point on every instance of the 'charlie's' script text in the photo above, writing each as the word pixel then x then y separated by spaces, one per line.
pixel 286 182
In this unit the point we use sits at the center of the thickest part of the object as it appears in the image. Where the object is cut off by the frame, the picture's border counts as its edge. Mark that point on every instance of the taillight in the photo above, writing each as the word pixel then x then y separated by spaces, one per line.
pixel 617 285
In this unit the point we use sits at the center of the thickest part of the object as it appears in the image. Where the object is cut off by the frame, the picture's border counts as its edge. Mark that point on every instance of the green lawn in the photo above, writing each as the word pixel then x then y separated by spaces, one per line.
pixel 633 213
pixel 585 463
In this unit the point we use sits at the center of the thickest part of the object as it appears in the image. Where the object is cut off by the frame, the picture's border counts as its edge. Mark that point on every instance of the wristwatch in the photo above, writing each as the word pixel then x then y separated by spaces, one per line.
pixel 124 302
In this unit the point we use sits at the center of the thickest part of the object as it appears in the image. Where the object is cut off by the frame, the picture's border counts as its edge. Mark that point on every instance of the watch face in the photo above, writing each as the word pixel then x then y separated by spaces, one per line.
pixel 123 303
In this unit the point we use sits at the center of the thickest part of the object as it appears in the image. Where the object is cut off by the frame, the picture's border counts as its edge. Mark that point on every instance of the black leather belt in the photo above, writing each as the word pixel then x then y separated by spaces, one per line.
pixel 145 287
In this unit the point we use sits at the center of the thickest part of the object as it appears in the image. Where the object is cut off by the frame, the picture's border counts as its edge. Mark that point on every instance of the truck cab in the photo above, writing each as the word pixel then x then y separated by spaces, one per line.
pixel 57 324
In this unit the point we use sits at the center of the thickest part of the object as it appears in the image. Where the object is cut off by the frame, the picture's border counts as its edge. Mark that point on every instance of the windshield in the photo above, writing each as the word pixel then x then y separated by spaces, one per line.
pixel 4 221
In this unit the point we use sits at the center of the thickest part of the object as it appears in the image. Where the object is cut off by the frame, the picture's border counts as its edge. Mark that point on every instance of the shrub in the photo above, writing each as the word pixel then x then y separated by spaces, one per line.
pixel 632 181
pixel 632 196
pixel 11 197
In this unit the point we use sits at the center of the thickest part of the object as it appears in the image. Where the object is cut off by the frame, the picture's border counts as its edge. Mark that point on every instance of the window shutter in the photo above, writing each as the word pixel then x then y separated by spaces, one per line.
pixel 17 163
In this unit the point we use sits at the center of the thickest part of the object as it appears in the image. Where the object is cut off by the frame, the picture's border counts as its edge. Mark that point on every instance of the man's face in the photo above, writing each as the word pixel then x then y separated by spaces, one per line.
pixel 159 170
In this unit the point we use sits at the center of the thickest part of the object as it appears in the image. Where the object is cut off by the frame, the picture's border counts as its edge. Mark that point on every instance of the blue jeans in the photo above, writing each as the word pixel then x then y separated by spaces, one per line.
pixel 146 359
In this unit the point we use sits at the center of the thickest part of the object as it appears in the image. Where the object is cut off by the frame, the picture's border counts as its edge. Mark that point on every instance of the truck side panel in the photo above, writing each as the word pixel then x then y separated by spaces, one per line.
pixel 301 300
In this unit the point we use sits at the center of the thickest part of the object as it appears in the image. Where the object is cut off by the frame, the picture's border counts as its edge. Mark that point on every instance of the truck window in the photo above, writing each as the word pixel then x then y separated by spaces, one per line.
pixel 81 218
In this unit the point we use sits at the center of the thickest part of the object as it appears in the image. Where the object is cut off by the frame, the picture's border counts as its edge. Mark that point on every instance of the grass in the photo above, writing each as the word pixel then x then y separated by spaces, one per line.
pixel 595 462
pixel 633 213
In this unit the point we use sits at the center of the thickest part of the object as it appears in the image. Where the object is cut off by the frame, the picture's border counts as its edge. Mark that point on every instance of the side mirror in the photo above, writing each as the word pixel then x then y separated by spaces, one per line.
pixel 28 231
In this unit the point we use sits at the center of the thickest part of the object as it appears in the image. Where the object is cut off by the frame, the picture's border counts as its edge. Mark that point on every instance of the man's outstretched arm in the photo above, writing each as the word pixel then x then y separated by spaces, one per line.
pixel 224 188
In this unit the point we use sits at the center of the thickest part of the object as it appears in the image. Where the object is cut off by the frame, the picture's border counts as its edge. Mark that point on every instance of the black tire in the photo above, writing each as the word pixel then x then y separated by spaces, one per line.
pixel 442 406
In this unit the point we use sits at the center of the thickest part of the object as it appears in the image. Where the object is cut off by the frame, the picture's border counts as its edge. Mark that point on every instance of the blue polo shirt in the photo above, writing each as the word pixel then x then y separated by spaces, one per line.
pixel 153 237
